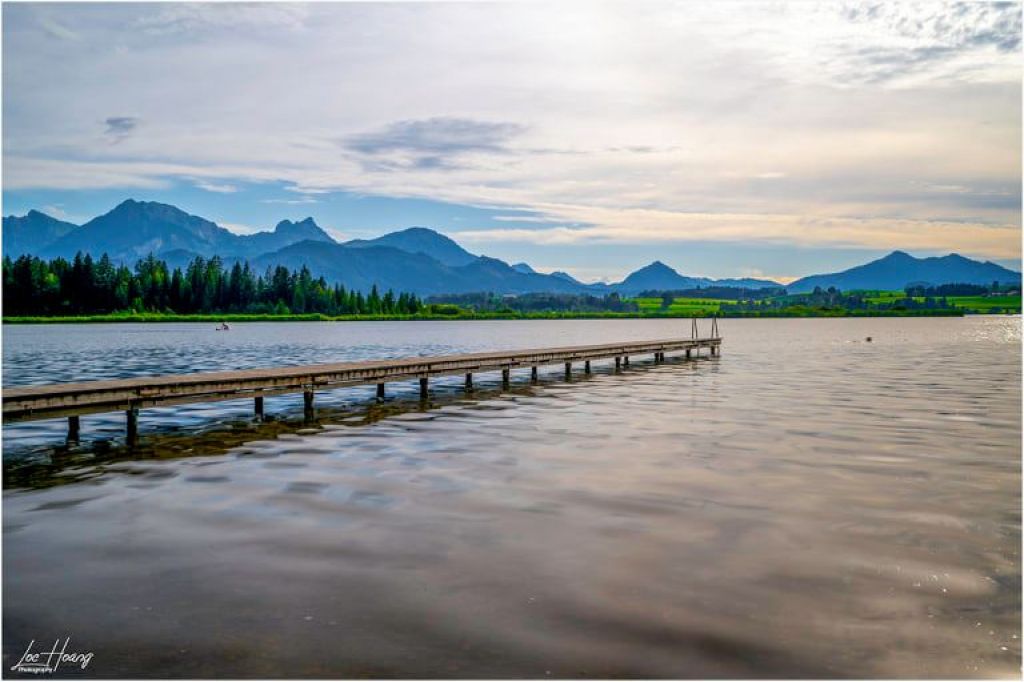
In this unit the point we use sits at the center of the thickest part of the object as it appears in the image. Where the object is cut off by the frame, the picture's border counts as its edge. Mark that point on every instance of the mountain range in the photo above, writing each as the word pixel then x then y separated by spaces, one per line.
pixel 416 259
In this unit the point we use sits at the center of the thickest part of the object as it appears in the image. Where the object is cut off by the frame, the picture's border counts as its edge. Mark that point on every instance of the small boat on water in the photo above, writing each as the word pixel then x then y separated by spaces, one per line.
pixel 223 327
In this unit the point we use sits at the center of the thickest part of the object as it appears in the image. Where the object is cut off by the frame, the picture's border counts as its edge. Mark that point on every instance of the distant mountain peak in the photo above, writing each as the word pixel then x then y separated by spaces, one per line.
pixel 133 207
pixel 421 240
pixel 306 226
pixel 134 203
pixel 32 232
pixel 656 267
pixel 523 268
pixel 565 276
pixel 418 229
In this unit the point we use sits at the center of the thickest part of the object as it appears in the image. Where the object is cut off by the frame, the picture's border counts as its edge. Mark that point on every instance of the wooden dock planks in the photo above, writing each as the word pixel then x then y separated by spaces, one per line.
pixel 71 399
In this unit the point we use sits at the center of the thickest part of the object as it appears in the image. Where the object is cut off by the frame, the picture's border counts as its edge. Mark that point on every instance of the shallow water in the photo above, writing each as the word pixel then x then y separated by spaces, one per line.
pixel 807 505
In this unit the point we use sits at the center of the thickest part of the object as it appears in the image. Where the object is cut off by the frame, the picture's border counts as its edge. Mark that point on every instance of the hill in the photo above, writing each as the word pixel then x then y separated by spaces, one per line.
pixel 898 269
pixel 32 232
pixel 659 277
pixel 420 240
pixel 134 229
pixel 286 232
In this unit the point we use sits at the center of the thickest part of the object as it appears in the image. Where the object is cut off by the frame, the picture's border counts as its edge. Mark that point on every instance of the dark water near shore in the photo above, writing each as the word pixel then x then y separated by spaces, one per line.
pixel 806 505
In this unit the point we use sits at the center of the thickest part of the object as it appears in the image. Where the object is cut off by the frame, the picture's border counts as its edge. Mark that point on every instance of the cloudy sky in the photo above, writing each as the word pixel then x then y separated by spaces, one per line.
pixel 725 139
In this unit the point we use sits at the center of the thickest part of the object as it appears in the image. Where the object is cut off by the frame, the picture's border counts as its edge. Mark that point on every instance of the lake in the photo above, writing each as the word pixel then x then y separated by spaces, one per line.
pixel 807 505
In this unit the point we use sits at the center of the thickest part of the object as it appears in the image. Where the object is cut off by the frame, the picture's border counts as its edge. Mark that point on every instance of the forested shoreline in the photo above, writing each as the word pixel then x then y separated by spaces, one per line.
pixel 84 287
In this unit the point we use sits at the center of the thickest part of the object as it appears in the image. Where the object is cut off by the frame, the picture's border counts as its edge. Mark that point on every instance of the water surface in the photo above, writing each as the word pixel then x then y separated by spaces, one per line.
pixel 809 504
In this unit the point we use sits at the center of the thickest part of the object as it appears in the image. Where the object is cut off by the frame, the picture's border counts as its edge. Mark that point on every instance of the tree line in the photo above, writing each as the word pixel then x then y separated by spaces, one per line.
pixel 536 302
pixel 733 293
pixel 84 286
pixel 960 289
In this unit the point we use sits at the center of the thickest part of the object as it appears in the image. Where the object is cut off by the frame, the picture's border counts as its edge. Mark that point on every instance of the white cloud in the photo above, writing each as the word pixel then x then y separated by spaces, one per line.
pixel 290 202
pixel 215 187
pixel 189 19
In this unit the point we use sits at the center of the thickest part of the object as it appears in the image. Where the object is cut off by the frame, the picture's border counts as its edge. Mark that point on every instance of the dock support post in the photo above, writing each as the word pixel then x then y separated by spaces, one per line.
pixel 586 367
pixel 380 391
pixel 307 403
pixel 687 353
pixel 132 424
pixel 625 361
pixel 505 377
pixel 568 370
pixel 73 428
pixel 618 363
pixel 533 374
pixel 258 406
pixel 469 381
pixel 423 388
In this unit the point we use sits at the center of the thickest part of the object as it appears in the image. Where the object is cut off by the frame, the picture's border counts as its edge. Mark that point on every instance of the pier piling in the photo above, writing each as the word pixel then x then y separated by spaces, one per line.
pixel 132 425
pixel 70 400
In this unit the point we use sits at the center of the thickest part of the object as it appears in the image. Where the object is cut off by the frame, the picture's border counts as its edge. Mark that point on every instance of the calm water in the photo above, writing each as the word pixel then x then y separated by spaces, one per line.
pixel 807 505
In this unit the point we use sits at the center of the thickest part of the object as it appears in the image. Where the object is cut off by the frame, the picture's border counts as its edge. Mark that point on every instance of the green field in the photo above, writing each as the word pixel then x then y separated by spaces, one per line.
pixel 883 296
pixel 986 304
pixel 973 304
pixel 681 307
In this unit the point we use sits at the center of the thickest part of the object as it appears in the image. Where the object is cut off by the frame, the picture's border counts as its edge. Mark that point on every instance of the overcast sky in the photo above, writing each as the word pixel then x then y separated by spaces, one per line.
pixel 725 139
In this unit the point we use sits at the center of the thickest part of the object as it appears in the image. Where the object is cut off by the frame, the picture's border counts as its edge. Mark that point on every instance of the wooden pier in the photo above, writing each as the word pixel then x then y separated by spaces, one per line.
pixel 72 400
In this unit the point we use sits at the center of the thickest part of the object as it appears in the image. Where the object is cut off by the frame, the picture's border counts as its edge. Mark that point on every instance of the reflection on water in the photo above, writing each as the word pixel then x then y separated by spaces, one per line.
pixel 808 505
